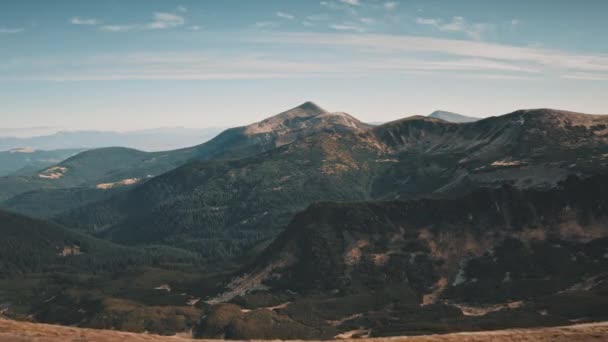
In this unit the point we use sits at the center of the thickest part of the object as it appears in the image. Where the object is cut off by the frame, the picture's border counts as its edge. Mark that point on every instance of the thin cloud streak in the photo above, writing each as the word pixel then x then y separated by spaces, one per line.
pixel 458 24
pixel 284 15
pixel 586 76
pixel 351 2
pixel 161 20
pixel 369 56
pixel 391 5
pixel 551 59
pixel 83 21
pixel 4 30
pixel 344 27
pixel 183 66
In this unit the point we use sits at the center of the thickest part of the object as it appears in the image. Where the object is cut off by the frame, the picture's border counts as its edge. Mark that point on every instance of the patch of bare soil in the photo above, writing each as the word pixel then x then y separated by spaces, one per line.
pixel 23 331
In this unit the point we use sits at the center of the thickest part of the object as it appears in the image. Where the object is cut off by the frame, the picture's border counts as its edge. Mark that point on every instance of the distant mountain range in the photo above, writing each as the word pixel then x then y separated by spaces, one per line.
pixel 313 225
pixel 159 139
pixel 452 117
pixel 26 160
pixel 30 154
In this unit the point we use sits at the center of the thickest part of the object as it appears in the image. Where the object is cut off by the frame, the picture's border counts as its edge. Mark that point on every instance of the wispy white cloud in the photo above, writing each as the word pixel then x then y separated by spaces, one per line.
pixel 547 61
pixel 265 24
pixel 161 20
pixel 367 20
pixel 587 76
pixel 192 66
pixel 502 77
pixel 318 17
pixel 5 30
pixel 427 21
pixel 118 28
pixel 284 15
pixel 457 24
pixel 342 5
pixel 351 2
pixel 308 23
pixel 329 4
pixel 391 5
pixel 368 55
pixel 83 21
pixel 345 27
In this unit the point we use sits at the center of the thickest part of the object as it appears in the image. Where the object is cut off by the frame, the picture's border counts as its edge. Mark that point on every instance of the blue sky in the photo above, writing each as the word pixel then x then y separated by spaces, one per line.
pixel 130 64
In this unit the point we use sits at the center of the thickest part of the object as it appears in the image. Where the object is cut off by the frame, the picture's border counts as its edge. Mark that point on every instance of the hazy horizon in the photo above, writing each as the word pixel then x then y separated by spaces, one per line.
pixel 131 65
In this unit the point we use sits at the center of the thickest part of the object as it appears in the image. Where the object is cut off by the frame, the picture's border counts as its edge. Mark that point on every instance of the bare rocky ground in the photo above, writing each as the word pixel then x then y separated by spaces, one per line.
pixel 23 331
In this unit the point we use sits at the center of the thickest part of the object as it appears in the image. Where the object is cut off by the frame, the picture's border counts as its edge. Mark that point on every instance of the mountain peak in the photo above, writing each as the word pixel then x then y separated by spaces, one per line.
pixel 286 119
pixel 452 117
pixel 311 107
pixel 412 118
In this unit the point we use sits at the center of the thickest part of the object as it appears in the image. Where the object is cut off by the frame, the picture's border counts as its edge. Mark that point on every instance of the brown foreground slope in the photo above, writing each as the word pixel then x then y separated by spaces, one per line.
pixel 23 331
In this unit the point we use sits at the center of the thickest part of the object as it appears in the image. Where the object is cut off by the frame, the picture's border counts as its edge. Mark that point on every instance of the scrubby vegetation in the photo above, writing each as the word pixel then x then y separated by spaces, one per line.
pixel 493 259
pixel 413 227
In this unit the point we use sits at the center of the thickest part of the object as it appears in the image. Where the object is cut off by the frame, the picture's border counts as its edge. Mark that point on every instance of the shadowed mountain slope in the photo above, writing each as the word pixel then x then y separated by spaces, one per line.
pixel 30 245
pixel 237 202
pixel 495 258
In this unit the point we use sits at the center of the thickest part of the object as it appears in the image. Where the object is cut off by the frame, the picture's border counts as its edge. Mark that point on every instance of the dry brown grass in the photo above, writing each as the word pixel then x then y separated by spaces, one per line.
pixel 22 331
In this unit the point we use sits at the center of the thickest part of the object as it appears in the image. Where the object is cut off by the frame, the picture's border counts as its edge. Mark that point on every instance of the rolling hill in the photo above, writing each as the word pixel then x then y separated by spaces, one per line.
pixel 54 275
pixel 30 245
pixel 27 161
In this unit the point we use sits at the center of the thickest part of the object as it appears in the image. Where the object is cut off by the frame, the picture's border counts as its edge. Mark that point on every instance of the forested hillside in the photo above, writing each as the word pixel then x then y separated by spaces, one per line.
pixel 493 259
pixel 221 208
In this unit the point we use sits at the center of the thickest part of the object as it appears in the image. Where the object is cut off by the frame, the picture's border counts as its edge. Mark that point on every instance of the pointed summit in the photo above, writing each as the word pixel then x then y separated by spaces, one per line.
pixel 286 120
pixel 311 107
pixel 305 110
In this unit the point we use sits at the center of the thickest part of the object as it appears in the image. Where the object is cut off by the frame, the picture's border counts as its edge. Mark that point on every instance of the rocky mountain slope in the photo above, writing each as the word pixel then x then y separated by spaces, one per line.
pixel 222 207
pixel 495 258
